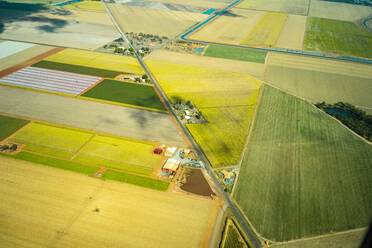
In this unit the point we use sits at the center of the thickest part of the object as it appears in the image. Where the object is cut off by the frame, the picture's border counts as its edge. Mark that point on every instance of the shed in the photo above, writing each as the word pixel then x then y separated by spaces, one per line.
pixel 171 165
pixel 170 151
pixel 158 151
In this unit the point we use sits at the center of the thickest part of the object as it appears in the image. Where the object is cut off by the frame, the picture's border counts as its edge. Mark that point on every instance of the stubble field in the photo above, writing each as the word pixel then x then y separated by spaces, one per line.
pixel 320 79
pixel 293 33
pixel 297 7
pixel 61 207
pixel 303 173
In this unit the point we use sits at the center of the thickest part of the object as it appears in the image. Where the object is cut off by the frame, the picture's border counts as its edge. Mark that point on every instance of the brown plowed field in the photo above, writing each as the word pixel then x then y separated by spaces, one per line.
pixel 196 183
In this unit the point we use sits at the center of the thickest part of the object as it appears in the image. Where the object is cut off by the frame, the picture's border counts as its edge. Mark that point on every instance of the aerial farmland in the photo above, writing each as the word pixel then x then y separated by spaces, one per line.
pixel 171 123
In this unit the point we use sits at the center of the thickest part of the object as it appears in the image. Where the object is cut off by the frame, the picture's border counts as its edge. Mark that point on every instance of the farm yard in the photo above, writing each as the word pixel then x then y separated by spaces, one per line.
pixel 91 115
pixel 50 80
pixel 71 210
pixel 227 107
pixel 337 37
pixel 311 174
pixel 321 80
pixel 267 30
pixel 297 7
pixel 151 21
pixel 127 93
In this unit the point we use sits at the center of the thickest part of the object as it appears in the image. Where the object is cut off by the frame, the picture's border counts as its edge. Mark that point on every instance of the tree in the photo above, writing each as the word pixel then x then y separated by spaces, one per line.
pixel 144 76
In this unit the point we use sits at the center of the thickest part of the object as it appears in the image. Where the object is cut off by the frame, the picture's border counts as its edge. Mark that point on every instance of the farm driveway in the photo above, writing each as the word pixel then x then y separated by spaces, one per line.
pixel 101 117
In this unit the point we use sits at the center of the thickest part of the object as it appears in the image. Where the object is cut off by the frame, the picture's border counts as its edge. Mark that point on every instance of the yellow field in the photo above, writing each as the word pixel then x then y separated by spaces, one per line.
pixel 39 134
pixel 267 30
pixel 47 207
pixel 122 150
pixel 97 60
pixel 86 6
pixel 254 69
pixel 204 87
pixel 222 138
pixel 151 21
pixel 225 99
pixel 229 29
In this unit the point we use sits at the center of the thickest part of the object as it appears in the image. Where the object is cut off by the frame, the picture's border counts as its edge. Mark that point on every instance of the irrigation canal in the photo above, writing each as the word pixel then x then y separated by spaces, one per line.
pixel 185 35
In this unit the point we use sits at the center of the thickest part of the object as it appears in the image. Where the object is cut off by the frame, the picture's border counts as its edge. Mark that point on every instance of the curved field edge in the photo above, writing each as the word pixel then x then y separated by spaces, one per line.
pixel 303 173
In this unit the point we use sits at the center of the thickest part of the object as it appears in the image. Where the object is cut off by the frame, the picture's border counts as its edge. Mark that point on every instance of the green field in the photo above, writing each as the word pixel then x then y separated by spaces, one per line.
pixel 127 93
pixel 222 138
pixel 303 173
pixel 53 138
pixel 77 69
pixel 232 237
pixel 236 53
pixel 136 180
pixel 89 148
pixel 339 37
pixel 122 150
pixel 9 125
pixel 54 162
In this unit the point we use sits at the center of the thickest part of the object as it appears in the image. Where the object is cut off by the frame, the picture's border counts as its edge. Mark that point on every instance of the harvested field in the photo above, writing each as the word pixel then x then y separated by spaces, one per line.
pixel 77 69
pixel 9 125
pixel 61 208
pixel 150 21
pixel 303 174
pixel 339 11
pixel 321 80
pixel 297 7
pixel 107 118
pixel 51 80
pixel 86 6
pixel 55 31
pixel 293 33
pixel 229 28
pixel 352 239
pixel 254 69
pixel 267 30
pixel 127 93
pixel 225 99
pixel 18 58
pixel 236 53
pixel 338 37
pixel 196 183
pixel 97 60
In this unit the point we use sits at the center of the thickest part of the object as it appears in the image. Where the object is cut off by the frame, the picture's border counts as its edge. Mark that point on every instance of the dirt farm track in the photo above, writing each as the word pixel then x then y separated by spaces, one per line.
pixel 47 207
pixel 101 117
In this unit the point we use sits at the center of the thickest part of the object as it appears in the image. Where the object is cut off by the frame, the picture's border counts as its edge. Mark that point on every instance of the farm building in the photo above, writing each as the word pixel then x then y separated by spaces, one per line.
pixel 171 165
pixel 170 151
pixel 158 151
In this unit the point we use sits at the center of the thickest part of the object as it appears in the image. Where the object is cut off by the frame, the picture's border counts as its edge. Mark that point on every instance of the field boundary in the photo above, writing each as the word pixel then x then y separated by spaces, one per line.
pixel 250 130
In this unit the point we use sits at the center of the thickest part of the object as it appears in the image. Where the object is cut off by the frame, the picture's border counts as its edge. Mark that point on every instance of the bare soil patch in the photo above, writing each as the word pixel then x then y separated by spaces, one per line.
pixel 195 182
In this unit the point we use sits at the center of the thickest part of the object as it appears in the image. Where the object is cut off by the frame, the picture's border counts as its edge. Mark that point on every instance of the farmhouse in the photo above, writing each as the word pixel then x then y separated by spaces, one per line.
pixel 171 166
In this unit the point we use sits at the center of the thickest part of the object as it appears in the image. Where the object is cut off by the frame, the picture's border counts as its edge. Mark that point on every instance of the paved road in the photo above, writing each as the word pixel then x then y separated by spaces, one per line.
pixel 234 209
pixel 280 50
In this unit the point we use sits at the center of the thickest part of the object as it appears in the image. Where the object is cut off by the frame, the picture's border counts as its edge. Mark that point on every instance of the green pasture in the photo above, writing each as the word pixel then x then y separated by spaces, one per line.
pixel 136 180
pixel 127 93
pixel 76 69
pixel 338 37
pixel 236 53
pixel 121 150
pixel 9 125
pixel 52 137
pixel 54 162
pixel 303 173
